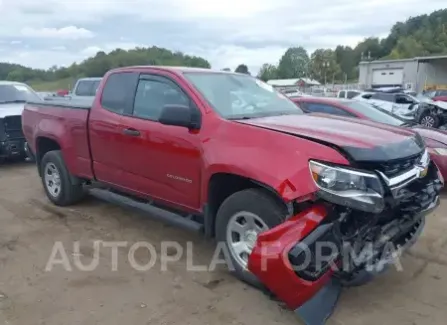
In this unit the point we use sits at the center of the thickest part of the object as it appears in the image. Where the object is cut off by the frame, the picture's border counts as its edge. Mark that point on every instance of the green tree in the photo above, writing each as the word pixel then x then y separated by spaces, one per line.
pixel 294 63
pixel 324 66
pixel 242 68
pixel 346 59
pixel 268 72
pixel 99 64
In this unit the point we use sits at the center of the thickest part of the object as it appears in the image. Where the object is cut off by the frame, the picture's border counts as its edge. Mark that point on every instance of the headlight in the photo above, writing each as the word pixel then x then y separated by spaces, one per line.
pixel 438 151
pixel 348 187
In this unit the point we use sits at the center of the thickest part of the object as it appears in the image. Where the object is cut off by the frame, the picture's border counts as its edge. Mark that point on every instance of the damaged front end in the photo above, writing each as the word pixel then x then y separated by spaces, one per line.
pixel 360 222
pixel 12 140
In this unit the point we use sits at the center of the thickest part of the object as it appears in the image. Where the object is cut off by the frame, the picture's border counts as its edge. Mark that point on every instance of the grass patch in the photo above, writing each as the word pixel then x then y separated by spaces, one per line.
pixel 39 85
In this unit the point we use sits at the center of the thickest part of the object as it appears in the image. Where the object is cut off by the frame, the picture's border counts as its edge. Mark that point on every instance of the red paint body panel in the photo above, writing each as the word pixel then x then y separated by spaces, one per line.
pixel 269 262
pixel 433 138
pixel 68 127
pixel 440 98
pixel 272 151
pixel 140 164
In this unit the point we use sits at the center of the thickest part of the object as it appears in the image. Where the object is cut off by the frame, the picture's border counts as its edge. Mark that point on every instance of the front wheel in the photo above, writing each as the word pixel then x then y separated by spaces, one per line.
pixel 59 186
pixel 240 219
pixel 429 119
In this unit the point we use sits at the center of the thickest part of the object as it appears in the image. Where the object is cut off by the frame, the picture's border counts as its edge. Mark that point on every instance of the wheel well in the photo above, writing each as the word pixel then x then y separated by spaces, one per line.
pixel 44 145
pixel 221 186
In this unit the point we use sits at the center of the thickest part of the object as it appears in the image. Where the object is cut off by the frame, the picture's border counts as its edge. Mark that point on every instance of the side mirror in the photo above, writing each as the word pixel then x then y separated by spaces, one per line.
pixel 180 115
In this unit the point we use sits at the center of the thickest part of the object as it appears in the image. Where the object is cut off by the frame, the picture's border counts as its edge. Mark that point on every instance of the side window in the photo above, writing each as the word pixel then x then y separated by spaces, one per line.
pixel 442 93
pixel 352 94
pixel 84 88
pixel 368 96
pixel 153 94
pixel 402 99
pixel 118 92
pixel 328 109
pixel 342 94
pixel 384 96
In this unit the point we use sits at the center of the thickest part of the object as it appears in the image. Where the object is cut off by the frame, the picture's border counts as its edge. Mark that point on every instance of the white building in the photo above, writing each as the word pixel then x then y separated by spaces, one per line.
pixel 416 74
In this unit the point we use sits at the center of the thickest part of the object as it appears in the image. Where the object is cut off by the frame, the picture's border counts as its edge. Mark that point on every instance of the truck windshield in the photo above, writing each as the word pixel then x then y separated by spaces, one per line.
pixel 235 96
pixel 17 93
pixel 374 113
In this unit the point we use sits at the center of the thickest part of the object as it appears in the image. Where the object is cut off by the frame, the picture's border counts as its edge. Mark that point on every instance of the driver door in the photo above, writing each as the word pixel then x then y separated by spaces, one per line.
pixel 163 162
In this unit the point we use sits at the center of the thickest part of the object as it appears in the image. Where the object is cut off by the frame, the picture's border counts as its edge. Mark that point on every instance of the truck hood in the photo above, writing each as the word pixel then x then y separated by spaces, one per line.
pixel 362 140
pixel 11 109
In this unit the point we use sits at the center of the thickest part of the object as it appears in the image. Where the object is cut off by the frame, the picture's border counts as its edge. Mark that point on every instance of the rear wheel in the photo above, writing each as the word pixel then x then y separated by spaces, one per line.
pixel 429 119
pixel 240 219
pixel 59 186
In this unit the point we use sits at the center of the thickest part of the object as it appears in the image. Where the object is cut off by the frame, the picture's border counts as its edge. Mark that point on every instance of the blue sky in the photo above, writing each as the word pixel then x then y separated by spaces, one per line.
pixel 42 33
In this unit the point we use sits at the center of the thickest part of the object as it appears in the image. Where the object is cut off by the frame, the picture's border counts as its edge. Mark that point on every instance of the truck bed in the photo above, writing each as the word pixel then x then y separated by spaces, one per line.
pixel 64 103
pixel 66 123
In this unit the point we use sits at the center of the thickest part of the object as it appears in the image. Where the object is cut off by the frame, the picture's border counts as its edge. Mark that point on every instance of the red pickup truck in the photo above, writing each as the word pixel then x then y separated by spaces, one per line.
pixel 225 154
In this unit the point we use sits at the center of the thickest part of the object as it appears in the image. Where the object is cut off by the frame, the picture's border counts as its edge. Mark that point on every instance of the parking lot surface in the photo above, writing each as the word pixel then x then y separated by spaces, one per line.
pixel 30 293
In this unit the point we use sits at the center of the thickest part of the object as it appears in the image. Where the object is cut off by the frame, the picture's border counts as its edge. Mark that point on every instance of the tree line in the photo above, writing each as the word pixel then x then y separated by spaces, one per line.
pixel 418 36
pixel 99 64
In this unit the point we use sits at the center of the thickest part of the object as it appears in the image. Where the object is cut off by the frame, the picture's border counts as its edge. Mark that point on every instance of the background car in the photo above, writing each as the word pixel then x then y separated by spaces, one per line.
pixel 400 104
pixel 440 95
pixel 348 94
pixel 436 140
pixel 13 96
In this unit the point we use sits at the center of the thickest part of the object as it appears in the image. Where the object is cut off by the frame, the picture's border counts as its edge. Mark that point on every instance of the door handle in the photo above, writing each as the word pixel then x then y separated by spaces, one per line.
pixel 131 132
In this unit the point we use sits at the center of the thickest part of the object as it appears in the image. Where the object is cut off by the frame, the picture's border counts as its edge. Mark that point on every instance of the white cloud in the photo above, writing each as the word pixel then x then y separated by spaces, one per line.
pixel 226 33
pixel 59 48
pixel 69 32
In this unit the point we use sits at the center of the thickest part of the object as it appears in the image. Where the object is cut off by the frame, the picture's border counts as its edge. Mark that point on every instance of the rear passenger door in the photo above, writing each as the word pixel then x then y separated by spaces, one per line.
pixel 107 141
pixel 163 162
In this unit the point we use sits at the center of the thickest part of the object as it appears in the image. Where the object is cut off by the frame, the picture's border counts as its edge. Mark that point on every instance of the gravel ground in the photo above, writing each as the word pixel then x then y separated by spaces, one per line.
pixel 31 294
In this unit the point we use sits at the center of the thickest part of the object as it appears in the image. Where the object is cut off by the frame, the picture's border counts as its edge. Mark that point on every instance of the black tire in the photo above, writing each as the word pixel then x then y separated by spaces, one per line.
pixel 429 119
pixel 259 202
pixel 71 191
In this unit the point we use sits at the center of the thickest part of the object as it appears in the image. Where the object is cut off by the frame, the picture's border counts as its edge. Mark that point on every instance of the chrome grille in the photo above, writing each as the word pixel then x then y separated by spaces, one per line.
pixel 393 168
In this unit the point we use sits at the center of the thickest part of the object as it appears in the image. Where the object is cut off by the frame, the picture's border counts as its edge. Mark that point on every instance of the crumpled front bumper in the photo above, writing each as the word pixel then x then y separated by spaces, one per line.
pixel 313 300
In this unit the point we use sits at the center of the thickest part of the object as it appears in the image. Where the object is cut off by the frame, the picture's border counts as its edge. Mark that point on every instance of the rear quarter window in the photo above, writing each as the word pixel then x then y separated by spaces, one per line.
pixel 119 92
